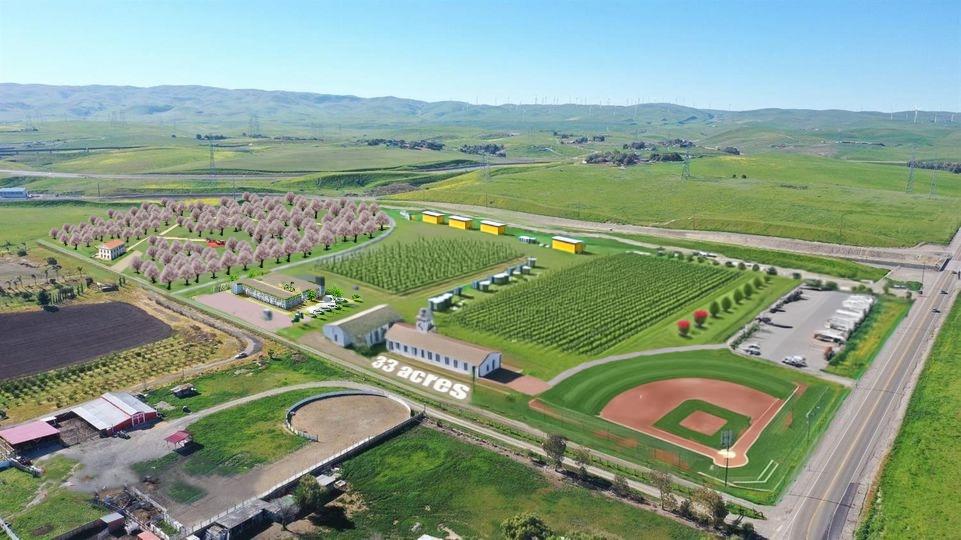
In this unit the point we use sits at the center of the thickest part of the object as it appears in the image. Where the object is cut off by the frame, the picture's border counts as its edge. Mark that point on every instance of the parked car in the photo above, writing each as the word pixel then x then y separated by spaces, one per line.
pixel 795 360
pixel 753 349
pixel 240 355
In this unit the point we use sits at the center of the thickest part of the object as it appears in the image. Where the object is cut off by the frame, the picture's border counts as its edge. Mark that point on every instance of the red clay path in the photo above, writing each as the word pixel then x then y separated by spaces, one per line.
pixel 640 407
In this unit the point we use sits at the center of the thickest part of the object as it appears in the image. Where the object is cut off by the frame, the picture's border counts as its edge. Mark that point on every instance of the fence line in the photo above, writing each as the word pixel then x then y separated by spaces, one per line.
pixel 6 528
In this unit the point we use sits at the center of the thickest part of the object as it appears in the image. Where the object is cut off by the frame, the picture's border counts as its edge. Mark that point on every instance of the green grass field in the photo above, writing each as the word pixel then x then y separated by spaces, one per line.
pixel 235 440
pixel 786 195
pixel 860 350
pixel 671 422
pixel 25 222
pixel 916 496
pixel 571 408
pixel 427 477
pixel 246 379
pixel 841 268
pixel 40 508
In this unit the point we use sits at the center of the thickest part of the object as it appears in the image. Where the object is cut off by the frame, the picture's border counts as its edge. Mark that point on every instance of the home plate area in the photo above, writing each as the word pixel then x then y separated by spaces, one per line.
pixel 693 412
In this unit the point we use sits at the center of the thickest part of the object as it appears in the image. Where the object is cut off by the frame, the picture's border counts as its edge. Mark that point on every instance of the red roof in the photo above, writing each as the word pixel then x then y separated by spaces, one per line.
pixel 111 244
pixel 178 437
pixel 147 535
pixel 31 431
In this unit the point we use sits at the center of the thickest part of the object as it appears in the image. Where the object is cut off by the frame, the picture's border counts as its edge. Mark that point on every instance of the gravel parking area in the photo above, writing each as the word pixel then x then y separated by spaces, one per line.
pixel 791 331
pixel 246 309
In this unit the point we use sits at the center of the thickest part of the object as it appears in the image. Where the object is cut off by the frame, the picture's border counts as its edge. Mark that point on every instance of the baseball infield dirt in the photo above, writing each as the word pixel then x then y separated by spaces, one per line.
pixel 640 407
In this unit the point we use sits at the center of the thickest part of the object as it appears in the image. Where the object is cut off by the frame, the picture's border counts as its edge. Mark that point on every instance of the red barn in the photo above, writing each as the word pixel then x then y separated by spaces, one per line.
pixel 25 436
pixel 115 411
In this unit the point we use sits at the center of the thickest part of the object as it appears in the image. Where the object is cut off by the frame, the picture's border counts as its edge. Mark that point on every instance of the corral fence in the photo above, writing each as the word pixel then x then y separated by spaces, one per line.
pixel 6 528
pixel 348 452
pixel 165 515
pixel 340 393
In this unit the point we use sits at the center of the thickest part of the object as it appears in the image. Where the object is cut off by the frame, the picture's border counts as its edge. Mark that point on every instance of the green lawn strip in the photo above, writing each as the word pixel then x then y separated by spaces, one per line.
pixel 57 509
pixel 916 495
pixel 841 268
pixel 671 422
pixel 427 477
pixel 244 380
pixel 867 340
pixel 573 406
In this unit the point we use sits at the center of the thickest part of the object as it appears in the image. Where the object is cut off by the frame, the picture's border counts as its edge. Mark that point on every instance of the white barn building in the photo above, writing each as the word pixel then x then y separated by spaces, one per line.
pixel 367 328
pixel 421 343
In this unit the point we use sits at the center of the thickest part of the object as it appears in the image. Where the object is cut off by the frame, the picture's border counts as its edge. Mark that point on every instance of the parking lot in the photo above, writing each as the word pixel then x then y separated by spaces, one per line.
pixel 791 331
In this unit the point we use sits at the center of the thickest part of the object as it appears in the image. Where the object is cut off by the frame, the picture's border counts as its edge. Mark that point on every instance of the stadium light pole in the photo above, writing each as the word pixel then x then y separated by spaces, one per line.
pixel 726 438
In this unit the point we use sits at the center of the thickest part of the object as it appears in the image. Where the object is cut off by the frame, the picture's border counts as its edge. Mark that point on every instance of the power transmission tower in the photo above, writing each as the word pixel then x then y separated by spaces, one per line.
pixel 686 170
pixel 934 186
pixel 213 167
pixel 253 125
pixel 909 188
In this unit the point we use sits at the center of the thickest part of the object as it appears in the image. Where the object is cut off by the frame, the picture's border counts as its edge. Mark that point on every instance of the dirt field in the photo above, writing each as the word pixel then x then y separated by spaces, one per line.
pixel 703 422
pixel 328 419
pixel 37 341
pixel 340 422
pixel 641 407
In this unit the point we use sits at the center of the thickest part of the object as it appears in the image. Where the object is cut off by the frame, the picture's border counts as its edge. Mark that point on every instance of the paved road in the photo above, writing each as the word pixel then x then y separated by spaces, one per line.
pixel 173 176
pixel 889 256
pixel 827 496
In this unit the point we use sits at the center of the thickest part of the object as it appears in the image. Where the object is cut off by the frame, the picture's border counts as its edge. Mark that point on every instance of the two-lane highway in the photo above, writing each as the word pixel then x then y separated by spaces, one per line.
pixel 831 489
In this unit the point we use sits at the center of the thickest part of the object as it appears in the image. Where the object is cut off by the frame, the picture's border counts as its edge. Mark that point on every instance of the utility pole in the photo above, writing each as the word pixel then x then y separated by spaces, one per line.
pixel 727 439
pixel 212 165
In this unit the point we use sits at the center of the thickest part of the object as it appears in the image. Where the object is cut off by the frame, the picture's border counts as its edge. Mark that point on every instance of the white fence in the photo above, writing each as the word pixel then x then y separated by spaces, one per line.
pixel 6 528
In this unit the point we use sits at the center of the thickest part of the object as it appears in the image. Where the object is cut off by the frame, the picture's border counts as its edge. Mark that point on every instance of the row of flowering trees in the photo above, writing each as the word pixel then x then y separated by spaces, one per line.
pixel 278 228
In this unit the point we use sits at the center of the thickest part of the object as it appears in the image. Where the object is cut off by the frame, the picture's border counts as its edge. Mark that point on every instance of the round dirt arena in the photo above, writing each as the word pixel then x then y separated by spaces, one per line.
pixel 347 416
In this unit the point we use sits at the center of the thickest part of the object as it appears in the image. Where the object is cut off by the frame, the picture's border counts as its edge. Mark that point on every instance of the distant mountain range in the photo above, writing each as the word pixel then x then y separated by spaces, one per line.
pixel 208 106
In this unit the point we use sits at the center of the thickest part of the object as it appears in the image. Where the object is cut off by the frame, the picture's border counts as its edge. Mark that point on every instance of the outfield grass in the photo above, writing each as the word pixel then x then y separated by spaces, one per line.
pixel 793 196
pixel 841 268
pixel 40 508
pixel 867 340
pixel 917 494
pixel 571 408
pixel 671 422
pixel 429 478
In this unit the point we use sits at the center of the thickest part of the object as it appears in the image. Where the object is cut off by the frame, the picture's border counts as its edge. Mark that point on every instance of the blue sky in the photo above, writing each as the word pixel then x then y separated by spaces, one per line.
pixel 741 55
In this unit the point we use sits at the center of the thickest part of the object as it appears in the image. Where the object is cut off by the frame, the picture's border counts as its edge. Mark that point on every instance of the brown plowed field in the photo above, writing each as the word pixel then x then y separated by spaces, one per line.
pixel 38 341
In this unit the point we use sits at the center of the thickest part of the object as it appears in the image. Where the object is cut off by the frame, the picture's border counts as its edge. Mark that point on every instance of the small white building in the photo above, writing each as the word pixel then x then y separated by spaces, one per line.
pixel 111 249
pixel 366 328
pixel 423 344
